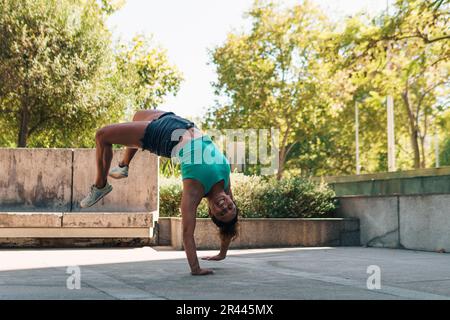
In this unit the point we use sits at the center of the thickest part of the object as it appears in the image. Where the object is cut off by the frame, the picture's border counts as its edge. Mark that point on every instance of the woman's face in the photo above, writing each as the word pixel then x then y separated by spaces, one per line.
pixel 222 207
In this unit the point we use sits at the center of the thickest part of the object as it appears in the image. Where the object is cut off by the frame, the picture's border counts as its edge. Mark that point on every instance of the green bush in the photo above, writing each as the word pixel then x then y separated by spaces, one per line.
pixel 170 191
pixel 169 197
pixel 295 198
pixel 257 197
pixel 246 193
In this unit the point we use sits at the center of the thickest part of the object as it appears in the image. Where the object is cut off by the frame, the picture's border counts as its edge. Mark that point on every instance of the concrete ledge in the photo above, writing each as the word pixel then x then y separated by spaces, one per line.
pixel 412 182
pixel 107 220
pixel 418 185
pixel 266 233
pixel 76 220
pixel 75 233
pixel 100 227
pixel 30 220
pixel 74 242
pixel 416 173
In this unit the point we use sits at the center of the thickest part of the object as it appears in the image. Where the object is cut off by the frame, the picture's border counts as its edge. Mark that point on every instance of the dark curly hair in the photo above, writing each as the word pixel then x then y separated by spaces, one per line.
pixel 228 229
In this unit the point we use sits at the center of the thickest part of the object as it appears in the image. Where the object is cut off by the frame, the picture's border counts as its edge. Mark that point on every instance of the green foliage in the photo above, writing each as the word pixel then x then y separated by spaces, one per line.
pixel 54 65
pixel 444 157
pixel 170 192
pixel 260 198
pixel 60 79
pixel 273 77
pixel 298 72
pixel 405 55
pixel 170 197
pixel 147 76
pixel 111 6
pixel 295 198
pixel 168 168
pixel 246 190
pixel 444 143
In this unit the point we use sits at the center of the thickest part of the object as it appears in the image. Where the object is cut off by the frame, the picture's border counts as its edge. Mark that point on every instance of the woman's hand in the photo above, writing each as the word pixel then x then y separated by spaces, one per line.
pixel 214 258
pixel 202 272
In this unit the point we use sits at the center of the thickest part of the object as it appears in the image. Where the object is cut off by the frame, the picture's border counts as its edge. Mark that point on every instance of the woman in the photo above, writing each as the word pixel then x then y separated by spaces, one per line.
pixel 205 172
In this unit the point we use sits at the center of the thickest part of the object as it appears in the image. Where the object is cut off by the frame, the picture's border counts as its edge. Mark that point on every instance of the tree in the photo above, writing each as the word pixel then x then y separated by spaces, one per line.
pixel 53 56
pixel 274 77
pixel 59 77
pixel 147 75
pixel 405 55
pixel 111 6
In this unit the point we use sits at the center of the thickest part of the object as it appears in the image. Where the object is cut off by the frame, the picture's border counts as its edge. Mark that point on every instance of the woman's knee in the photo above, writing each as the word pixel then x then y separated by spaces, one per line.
pixel 145 115
pixel 140 115
pixel 101 135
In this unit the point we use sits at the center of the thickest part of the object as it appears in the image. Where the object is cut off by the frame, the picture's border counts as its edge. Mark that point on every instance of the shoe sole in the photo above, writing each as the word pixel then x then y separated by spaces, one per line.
pixel 100 198
pixel 117 176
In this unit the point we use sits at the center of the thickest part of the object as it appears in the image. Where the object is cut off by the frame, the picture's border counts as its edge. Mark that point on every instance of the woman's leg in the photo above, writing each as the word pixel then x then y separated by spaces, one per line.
pixel 142 115
pixel 128 156
pixel 127 134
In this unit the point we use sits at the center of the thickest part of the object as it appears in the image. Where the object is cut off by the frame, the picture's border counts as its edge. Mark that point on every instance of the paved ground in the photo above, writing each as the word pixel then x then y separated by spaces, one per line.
pixel 158 273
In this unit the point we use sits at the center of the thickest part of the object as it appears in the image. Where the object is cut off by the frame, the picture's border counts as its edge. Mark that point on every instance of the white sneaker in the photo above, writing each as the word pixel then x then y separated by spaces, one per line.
pixel 118 172
pixel 95 195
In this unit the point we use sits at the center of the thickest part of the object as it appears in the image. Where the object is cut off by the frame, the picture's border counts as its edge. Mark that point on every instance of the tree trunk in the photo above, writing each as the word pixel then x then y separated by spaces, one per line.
pixel 282 159
pixel 413 130
pixel 415 146
pixel 422 147
pixel 422 137
pixel 23 129
pixel 283 153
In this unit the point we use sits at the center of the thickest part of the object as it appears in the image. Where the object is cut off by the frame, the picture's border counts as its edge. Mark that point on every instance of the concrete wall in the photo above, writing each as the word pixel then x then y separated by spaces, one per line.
pixel 378 218
pixel 407 209
pixel 35 179
pixel 139 192
pixel 55 180
pixel 163 231
pixel 266 233
pixel 40 192
pixel 425 222
pixel 418 222
pixel 414 182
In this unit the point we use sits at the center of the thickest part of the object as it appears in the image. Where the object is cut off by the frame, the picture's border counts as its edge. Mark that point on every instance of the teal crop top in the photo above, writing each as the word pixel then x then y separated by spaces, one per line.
pixel 201 160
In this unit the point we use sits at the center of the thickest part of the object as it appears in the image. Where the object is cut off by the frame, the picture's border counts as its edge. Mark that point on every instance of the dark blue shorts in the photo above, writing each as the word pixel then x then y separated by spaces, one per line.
pixel 162 134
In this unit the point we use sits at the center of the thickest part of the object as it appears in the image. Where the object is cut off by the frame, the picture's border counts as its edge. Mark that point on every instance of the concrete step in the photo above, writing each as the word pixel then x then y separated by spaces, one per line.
pixel 104 225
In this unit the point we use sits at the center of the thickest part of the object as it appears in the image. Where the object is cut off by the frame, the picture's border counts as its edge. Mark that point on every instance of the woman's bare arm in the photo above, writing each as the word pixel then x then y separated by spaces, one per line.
pixel 224 245
pixel 189 204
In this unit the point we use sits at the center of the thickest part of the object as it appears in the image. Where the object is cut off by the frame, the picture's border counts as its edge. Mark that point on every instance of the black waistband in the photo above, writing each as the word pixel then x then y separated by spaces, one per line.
pixel 166 114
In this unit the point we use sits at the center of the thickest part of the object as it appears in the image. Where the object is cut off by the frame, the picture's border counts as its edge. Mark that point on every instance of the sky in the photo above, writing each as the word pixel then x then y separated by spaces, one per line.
pixel 187 29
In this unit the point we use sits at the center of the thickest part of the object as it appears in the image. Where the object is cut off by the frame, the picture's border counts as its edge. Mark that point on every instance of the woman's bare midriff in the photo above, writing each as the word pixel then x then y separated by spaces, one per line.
pixel 190 134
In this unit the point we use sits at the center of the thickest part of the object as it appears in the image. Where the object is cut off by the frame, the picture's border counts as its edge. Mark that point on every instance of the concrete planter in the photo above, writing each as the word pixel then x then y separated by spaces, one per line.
pixel 55 180
pixel 40 192
pixel 38 229
pixel 266 233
